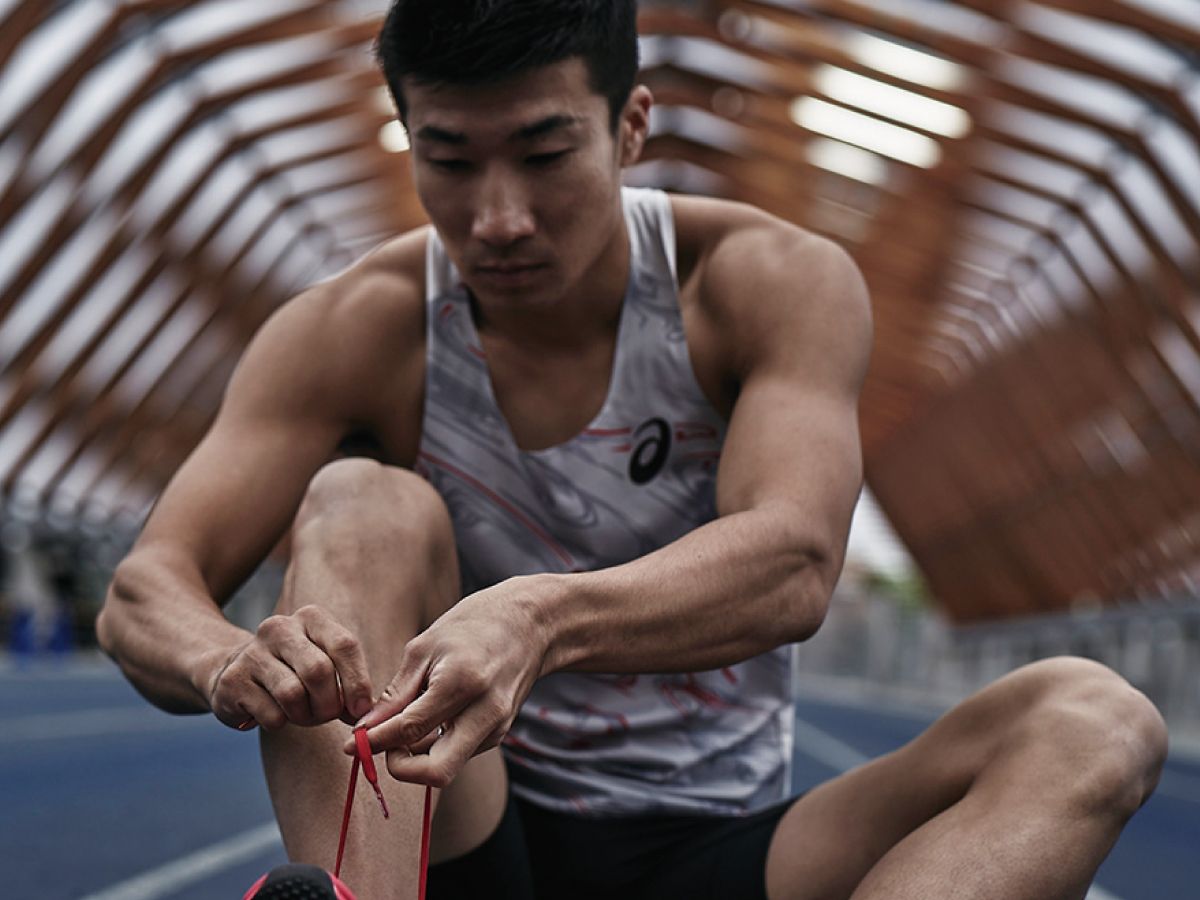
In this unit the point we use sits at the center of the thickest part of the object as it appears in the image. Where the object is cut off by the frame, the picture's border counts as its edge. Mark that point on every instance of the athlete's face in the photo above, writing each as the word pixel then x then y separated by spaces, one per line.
pixel 522 178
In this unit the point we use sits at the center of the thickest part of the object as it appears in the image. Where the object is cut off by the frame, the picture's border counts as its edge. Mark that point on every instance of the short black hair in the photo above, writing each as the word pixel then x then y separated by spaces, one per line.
pixel 465 42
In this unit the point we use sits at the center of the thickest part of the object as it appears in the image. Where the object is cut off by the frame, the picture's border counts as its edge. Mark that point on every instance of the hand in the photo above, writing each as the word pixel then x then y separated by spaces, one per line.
pixel 469 672
pixel 302 669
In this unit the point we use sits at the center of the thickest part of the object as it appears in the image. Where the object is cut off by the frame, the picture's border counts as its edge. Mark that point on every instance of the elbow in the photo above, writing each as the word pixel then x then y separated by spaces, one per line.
pixel 109 619
pixel 807 603
pixel 108 628
pixel 812 571
pixel 104 630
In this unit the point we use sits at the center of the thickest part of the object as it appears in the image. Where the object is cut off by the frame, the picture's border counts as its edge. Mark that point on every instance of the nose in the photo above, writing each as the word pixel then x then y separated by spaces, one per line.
pixel 502 214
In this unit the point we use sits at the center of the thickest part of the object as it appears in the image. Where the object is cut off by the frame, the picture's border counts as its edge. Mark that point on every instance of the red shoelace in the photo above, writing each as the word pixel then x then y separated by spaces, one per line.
pixel 362 757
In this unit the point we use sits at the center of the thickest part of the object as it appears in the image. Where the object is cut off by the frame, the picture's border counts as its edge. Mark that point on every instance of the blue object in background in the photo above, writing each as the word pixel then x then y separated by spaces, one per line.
pixel 20 636
pixel 62 634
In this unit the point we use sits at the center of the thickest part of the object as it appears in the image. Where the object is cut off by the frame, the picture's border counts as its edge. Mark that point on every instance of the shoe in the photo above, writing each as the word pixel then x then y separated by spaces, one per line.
pixel 297 881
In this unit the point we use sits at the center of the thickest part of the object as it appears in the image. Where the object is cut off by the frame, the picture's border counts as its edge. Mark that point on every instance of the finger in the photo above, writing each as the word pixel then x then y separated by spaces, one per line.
pixel 421 718
pixel 400 691
pixel 317 674
pixel 494 739
pixel 423 745
pixel 349 661
pixel 277 637
pixel 235 695
pixel 448 754
pixel 266 712
pixel 419 746
pixel 286 638
pixel 253 707
pixel 286 689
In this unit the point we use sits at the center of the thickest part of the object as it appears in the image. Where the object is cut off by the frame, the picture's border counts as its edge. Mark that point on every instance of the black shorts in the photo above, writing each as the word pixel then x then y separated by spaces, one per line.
pixel 538 854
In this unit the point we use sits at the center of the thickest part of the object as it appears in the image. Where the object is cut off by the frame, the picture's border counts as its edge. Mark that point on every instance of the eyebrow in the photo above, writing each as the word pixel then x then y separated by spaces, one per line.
pixel 537 129
pixel 441 135
pixel 545 126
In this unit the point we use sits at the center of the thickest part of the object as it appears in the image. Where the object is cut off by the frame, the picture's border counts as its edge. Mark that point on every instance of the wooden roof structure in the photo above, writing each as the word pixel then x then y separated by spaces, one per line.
pixel 1018 179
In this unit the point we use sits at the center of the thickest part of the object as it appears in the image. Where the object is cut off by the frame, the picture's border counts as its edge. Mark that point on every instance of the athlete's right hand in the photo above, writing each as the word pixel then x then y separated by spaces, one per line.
pixel 301 669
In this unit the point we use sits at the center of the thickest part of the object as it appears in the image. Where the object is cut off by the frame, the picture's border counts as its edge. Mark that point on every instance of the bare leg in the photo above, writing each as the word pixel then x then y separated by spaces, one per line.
pixel 1016 794
pixel 372 545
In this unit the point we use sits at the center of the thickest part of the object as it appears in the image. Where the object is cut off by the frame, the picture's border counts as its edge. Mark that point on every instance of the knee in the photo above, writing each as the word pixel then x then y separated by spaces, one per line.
pixel 1109 739
pixel 362 500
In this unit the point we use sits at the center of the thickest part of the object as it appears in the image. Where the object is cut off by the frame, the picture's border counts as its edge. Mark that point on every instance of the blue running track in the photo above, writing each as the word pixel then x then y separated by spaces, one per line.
pixel 104 798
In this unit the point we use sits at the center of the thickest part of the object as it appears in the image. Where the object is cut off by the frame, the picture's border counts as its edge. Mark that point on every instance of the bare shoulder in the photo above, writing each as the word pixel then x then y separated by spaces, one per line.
pixel 349 343
pixel 374 301
pixel 774 287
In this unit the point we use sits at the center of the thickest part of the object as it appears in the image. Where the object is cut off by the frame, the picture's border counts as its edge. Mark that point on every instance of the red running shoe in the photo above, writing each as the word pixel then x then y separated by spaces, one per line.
pixel 297 881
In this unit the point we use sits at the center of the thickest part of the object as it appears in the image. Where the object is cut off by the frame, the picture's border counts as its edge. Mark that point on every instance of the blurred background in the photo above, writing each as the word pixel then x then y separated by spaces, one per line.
pixel 1019 181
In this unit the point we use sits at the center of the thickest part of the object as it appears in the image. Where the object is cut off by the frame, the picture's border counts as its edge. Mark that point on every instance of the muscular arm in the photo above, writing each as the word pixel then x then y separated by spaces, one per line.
pixel 761 574
pixel 296 392
pixel 758 576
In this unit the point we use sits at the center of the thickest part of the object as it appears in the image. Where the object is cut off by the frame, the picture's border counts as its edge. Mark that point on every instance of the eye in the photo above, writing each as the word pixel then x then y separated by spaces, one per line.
pixel 546 159
pixel 450 165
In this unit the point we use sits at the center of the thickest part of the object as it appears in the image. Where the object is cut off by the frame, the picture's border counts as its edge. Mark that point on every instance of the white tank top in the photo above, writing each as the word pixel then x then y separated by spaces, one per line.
pixel 640 475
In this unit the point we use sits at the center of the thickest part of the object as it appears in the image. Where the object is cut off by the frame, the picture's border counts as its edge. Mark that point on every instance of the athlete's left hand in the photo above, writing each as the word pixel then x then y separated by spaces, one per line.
pixel 468 673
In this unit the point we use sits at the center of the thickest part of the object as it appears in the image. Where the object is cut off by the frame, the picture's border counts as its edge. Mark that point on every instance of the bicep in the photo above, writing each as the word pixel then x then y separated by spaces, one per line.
pixel 795 446
pixel 793 437
pixel 236 494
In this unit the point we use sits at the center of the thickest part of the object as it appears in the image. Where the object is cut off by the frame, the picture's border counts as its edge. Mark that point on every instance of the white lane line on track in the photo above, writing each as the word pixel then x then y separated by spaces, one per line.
pixel 91 723
pixel 82 666
pixel 904 703
pixel 841 757
pixel 178 874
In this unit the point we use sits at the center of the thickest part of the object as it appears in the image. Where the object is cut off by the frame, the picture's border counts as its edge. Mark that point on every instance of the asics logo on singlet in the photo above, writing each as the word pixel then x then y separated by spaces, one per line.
pixel 650 452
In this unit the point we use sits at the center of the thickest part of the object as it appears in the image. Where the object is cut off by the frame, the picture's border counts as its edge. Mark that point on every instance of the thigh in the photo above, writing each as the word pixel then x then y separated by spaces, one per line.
pixel 831 837
pixel 834 835
pixel 470 809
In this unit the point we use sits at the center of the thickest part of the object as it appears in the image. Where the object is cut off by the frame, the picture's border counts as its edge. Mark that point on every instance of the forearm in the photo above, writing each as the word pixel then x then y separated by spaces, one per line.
pixel 166 633
pixel 736 587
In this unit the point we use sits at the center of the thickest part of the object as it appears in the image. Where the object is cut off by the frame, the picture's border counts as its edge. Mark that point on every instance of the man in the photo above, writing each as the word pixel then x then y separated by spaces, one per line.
pixel 635 418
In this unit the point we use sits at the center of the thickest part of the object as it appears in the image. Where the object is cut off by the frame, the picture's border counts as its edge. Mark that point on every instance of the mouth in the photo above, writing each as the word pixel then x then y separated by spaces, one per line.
pixel 510 274
pixel 506 268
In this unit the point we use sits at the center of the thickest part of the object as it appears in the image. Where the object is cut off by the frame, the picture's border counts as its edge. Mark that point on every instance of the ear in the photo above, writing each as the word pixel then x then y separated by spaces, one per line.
pixel 634 128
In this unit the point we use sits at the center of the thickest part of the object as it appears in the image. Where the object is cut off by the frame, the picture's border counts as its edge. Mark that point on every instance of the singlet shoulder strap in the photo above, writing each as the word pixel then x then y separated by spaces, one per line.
pixel 651 223
pixel 441 275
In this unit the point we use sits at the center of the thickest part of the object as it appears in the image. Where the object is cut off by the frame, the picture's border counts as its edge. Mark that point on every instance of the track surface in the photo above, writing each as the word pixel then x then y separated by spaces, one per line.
pixel 102 797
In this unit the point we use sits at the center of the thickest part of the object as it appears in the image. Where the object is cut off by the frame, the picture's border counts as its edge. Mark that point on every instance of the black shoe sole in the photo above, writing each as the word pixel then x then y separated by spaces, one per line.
pixel 297 882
